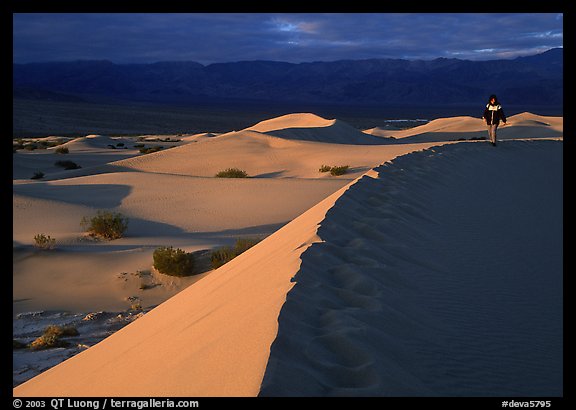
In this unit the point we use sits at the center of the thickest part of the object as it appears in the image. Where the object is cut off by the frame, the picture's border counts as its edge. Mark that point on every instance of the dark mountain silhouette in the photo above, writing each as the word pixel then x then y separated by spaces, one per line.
pixel 535 79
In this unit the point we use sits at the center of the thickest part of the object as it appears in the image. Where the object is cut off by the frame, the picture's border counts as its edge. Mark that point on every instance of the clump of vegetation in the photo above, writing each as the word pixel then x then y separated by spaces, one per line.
pixel 232 173
pixel 61 331
pixel 42 241
pixel 173 262
pixel 151 149
pixel 37 175
pixel 67 164
pixel 58 141
pixel 220 256
pixel 30 147
pixel 52 337
pixel 62 150
pixel 334 171
pixel 340 170
pixel 17 144
pixel 108 225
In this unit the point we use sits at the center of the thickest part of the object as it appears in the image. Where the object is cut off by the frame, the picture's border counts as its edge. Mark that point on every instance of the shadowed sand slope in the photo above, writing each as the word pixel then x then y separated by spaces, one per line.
pixel 442 276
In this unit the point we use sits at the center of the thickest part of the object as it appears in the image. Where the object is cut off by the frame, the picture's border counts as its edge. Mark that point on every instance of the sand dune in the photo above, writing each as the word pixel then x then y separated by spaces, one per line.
pixel 310 127
pixel 90 153
pixel 294 145
pixel 355 278
pixel 524 125
pixel 261 156
pixel 296 120
pixel 25 165
pixel 91 142
pixel 202 213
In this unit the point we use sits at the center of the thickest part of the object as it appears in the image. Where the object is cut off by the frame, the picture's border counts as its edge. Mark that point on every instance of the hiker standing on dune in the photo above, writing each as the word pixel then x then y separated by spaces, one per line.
pixel 493 114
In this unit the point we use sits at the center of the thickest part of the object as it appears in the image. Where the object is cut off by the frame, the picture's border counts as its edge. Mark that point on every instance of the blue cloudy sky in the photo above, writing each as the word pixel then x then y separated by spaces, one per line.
pixel 292 37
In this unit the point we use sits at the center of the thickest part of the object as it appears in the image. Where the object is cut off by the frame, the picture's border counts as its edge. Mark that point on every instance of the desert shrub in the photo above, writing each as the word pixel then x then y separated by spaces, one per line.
pixel 52 337
pixel 30 147
pixel 225 254
pixel 37 175
pixel 232 173
pixel 62 150
pixel 47 342
pixel 151 149
pixel 340 170
pixel 174 262
pixel 105 224
pixel 220 256
pixel 67 164
pixel 44 241
pixel 119 144
pixel 138 145
pixel 61 331
pixel 17 144
pixel 335 171
pixel 243 244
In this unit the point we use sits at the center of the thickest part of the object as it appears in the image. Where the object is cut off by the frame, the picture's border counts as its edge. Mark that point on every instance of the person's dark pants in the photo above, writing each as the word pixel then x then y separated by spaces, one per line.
pixel 492 133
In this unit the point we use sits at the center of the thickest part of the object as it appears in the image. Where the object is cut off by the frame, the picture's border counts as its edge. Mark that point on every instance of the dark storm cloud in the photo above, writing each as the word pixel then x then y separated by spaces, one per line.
pixel 223 37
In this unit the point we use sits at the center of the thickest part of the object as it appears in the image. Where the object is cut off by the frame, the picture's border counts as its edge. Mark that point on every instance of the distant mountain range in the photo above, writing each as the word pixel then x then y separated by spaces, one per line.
pixel 534 79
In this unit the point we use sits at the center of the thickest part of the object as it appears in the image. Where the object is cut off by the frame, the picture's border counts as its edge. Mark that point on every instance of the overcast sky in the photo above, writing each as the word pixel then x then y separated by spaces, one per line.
pixel 298 37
